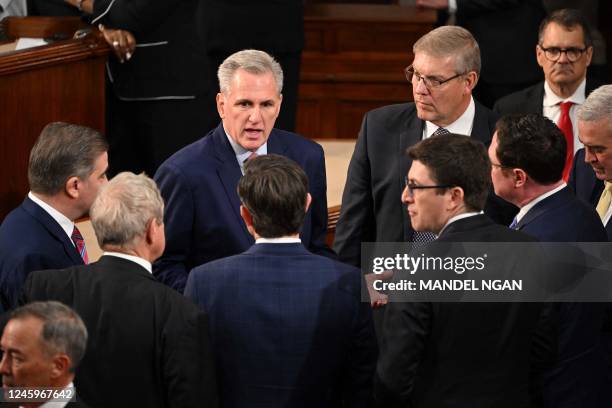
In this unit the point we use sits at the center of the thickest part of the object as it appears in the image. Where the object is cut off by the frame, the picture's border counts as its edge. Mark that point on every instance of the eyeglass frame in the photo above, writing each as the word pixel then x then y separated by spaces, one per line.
pixel 427 80
pixel 411 187
pixel 581 52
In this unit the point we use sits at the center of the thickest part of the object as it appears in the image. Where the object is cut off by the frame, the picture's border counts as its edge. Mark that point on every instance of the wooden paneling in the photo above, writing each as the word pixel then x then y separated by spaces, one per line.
pixel 353 61
pixel 63 81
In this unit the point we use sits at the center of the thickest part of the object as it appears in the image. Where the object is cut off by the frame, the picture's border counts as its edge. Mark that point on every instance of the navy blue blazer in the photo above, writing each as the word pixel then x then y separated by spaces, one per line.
pixel 578 378
pixel 586 185
pixel 288 328
pixel 31 240
pixel 202 213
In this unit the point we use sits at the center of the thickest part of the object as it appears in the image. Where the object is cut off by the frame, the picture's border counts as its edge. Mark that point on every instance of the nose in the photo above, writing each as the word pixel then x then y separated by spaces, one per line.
pixel 418 84
pixel 4 365
pixel 406 197
pixel 255 115
pixel 563 58
pixel 589 157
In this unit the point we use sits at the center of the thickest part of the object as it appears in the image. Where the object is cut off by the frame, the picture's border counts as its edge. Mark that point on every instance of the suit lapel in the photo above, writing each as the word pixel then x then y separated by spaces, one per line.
pixel 276 144
pixel 54 229
pixel 549 203
pixel 410 135
pixel 229 173
pixel 535 99
pixel 480 129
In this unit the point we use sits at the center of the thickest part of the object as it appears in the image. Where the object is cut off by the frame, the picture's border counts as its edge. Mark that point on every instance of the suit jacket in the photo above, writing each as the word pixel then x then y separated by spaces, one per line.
pixel 202 216
pixel 586 185
pixel 148 346
pixel 289 328
pixel 30 239
pixel 169 61
pixel 371 206
pixel 459 354
pixel 530 100
pixel 51 8
pixel 578 377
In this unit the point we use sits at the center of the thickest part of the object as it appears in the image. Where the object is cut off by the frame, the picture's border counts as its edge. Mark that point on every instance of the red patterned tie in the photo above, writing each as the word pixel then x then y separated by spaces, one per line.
pixel 79 242
pixel 565 124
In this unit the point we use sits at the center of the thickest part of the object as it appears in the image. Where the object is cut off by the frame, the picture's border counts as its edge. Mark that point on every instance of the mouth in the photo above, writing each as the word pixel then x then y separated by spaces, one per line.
pixel 253 132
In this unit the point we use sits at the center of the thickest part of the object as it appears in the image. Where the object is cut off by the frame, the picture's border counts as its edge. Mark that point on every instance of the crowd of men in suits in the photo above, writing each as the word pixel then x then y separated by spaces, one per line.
pixel 216 286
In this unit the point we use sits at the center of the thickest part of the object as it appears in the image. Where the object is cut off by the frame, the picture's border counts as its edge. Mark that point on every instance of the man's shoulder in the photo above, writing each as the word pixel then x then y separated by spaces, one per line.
pixel 24 231
pixel 395 112
pixel 519 101
pixel 294 140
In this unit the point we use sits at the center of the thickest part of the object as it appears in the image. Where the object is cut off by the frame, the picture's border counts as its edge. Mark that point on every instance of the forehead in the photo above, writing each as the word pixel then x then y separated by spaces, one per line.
pixel 595 132
pixel 22 334
pixel 559 36
pixel 246 83
pixel 419 173
pixel 428 64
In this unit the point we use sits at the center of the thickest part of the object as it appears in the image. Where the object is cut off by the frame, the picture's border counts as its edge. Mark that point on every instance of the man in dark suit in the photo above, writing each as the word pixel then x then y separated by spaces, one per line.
pixel 288 327
pixel 455 354
pixel 443 74
pixel 42 344
pixel 157 81
pixel 506 31
pixel 591 176
pixel 154 338
pixel 564 52
pixel 67 167
pixel 528 155
pixel 227 27
pixel 199 182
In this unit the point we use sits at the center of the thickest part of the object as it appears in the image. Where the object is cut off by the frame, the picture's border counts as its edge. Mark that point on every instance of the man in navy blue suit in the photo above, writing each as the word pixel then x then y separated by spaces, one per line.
pixel 67 167
pixel 592 168
pixel 528 155
pixel 199 182
pixel 288 327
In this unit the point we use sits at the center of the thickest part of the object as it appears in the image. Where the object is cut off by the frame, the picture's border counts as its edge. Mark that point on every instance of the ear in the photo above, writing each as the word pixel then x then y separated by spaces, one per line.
pixel 278 106
pixel 472 80
pixel 589 55
pixel 520 177
pixel 540 56
pixel 221 104
pixel 308 201
pixel 457 197
pixel 151 231
pixel 72 187
pixel 60 365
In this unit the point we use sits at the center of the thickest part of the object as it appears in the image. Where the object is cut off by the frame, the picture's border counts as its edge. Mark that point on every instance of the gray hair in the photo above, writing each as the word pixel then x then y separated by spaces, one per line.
pixel 597 106
pixel 62 151
pixel 123 208
pixel 63 330
pixel 454 41
pixel 253 61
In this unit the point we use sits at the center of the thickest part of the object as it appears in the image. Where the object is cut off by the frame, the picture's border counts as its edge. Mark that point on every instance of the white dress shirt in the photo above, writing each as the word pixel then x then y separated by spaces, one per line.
pixel 242 154
pixel 463 125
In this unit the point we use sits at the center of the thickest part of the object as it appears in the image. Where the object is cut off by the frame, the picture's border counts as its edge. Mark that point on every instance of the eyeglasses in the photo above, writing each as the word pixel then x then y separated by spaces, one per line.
pixel 430 83
pixel 411 187
pixel 553 53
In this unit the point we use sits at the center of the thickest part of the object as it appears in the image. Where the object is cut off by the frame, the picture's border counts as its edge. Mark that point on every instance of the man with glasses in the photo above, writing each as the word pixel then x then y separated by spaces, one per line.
pixel 564 52
pixel 456 354
pixel 443 74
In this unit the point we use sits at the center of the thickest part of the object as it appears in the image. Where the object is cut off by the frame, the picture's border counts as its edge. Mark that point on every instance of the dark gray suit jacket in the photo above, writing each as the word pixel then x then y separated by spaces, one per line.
pixel 371 203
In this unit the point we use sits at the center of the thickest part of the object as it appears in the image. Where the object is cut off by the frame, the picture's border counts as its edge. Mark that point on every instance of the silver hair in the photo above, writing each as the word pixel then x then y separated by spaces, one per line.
pixel 454 41
pixel 253 61
pixel 123 209
pixel 597 106
pixel 63 330
pixel 62 151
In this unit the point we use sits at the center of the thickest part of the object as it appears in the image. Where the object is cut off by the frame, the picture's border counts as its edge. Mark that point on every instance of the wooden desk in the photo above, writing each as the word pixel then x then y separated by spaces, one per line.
pixel 62 81
pixel 353 62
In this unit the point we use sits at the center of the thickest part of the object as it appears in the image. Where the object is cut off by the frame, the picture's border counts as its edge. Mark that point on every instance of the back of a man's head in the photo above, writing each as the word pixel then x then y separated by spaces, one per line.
pixel 274 190
pixel 459 161
pixel 49 338
pixel 123 209
pixel 62 151
pixel 533 143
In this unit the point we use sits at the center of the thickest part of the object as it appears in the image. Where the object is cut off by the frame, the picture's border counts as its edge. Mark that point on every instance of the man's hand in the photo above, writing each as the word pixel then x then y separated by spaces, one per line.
pixel 434 4
pixel 377 299
pixel 122 42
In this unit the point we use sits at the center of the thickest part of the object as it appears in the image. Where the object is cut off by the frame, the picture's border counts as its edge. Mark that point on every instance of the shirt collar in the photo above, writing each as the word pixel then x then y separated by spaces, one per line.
pixel 463 124
pixel 140 261
pixel 459 217
pixel 64 222
pixel 552 99
pixel 58 404
pixel 280 240
pixel 525 209
pixel 241 153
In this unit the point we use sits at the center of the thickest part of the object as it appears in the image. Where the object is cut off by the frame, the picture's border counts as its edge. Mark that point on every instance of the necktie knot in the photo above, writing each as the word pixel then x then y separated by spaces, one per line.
pixel 251 157
pixel 565 106
pixel 440 131
pixel 79 243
